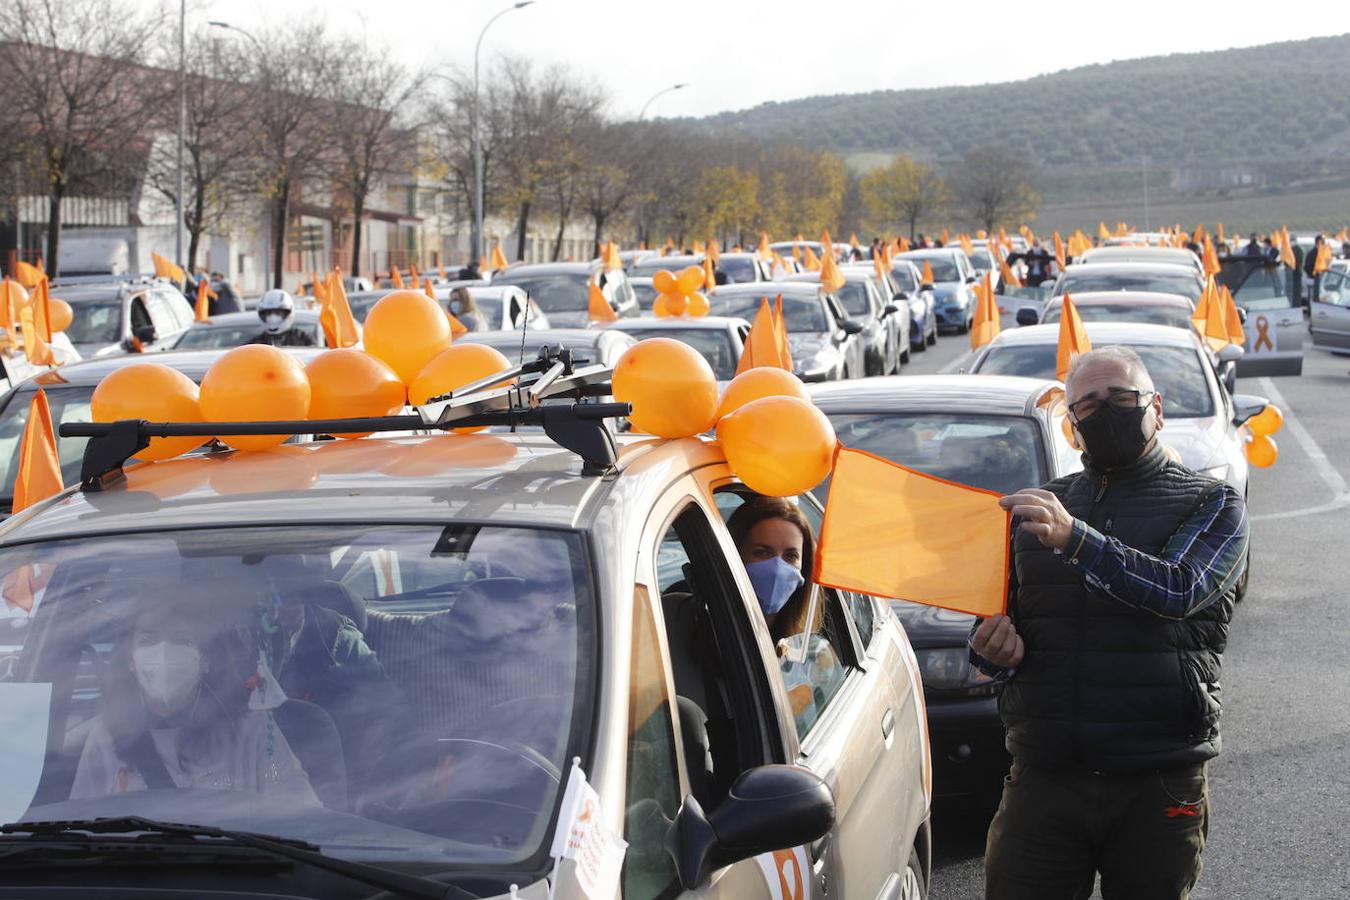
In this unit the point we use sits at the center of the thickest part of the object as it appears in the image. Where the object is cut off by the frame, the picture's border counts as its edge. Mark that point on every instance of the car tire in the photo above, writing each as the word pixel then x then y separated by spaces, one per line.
pixel 912 886
pixel 963 328
pixel 932 337
pixel 1240 589
pixel 904 359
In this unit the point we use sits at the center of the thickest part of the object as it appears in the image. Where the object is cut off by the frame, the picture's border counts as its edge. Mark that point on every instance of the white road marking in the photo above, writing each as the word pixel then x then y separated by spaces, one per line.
pixel 1340 491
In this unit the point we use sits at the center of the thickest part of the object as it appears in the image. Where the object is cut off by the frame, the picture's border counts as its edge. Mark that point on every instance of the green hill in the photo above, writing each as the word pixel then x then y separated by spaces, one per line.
pixel 1277 102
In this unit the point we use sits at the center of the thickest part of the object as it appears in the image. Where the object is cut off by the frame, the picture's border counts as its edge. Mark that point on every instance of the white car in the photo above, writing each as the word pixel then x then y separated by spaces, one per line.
pixel 1178 256
pixel 506 307
pixel 1158 278
pixel 720 339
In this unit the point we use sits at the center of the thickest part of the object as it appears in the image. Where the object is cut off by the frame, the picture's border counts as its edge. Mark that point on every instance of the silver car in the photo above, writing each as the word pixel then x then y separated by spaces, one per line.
pixel 1156 278
pixel 826 344
pixel 953 277
pixel 389 652
pixel 885 330
pixel 111 316
pixel 719 339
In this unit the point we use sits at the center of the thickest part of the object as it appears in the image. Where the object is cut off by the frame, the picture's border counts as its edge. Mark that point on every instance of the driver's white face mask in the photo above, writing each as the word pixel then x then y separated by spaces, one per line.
pixel 273 320
pixel 168 673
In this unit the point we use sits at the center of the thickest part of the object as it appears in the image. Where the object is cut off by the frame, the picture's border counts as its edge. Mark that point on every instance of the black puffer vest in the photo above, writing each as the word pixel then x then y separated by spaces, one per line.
pixel 1104 687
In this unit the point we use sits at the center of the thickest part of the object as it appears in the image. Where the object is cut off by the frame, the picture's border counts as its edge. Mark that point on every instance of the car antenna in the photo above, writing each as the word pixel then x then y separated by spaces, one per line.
pixel 555 374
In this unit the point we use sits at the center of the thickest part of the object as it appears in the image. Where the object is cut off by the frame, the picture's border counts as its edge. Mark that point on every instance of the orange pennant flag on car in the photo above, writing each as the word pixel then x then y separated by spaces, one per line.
pixel 1102 231
pixel 1009 276
pixel 41 301
pixel 27 274
pixel 968 246
pixel 457 328
pixel 340 327
pixel 440 268
pixel 497 261
pixel 1059 250
pixel 597 306
pixel 831 278
pixel 812 263
pixel 714 251
pixel 879 264
pixel 414 274
pixel 12 299
pixel 764 249
pixel 762 344
pixel 709 274
pixel 985 326
pixel 1218 232
pixel 1073 338
pixel 428 289
pixel 1210 317
pixel 1210 258
pixel 956 538
pixel 927 273
pixel 38 351
pixel 396 276
pixel 1287 249
pixel 201 310
pixel 39 475
pixel 780 325
pixel 612 260
pixel 1232 318
pixel 1322 262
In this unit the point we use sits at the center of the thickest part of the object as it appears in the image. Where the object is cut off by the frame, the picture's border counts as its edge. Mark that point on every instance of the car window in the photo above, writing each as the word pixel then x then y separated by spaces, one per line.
pixel 140 316
pixel 803 314
pixel 714 344
pixel 1334 288
pixel 96 323
pixel 1264 289
pixel 68 404
pixel 554 293
pixel 645 293
pixel 944 269
pixel 738 270
pixel 854 298
pixel 652 795
pixel 161 314
pixel 1149 314
pixel 1143 282
pixel 1176 373
pixel 904 279
pixel 205 337
pixel 424 714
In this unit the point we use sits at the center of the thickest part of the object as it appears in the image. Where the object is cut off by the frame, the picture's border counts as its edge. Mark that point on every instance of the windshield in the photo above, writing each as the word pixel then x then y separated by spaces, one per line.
pixel 738 269
pixel 653 264
pixel 360 304
pixel 904 279
pixel 396 693
pixel 982 261
pixel 803 314
pixel 1265 288
pixel 206 337
pixel 553 293
pixel 1176 373
pixel 95 323
pixel 68 404
pixel 943 267
pixel 714 343
pixel 1173 316
pixel 645 292
pixel 853 295
pixel 996 453
pixel 1144 282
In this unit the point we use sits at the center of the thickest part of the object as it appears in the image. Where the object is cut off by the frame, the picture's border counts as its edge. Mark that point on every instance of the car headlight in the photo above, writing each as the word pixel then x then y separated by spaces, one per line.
pixel 949 669
pixel 819 366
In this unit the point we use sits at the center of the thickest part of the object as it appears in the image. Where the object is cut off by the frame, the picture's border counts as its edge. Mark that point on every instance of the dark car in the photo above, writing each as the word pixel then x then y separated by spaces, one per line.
pixel 1002 435
pixel 561 291
pixel 885 331
pixel 603 346
pixel 826 345
pixel 108 314
pixel 237 329
pixel 735 268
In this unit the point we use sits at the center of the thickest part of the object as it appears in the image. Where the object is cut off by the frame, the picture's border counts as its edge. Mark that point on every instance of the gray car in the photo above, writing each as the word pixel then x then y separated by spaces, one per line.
pixel 907 280
pixel 826 345
pixel 560 289
pixel 1146 277
pixel 237 329
pixel 953 278
pixel 495 613
pixel 885 329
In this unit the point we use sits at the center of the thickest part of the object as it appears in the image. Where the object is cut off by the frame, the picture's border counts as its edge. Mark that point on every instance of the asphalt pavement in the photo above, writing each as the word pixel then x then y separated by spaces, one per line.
pixel 1280 790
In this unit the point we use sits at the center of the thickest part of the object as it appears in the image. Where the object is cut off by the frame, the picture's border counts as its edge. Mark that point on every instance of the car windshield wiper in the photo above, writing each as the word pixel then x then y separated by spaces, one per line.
pixel 17 835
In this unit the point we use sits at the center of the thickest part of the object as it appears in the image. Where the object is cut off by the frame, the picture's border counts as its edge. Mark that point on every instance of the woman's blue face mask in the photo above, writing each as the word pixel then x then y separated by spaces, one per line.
pixel 774 581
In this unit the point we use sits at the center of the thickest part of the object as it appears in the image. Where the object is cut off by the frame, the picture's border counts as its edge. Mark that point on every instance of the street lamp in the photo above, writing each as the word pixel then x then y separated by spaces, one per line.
pixel 657 95
pixel 476 238
pixel 257 44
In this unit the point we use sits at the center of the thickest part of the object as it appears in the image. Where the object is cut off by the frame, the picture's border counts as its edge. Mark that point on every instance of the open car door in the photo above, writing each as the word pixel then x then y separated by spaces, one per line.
pixel 1274 324
pixel 1329 312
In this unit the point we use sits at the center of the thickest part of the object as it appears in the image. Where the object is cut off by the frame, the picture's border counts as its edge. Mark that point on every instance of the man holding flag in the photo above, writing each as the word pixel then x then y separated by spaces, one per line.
pixel 1120 594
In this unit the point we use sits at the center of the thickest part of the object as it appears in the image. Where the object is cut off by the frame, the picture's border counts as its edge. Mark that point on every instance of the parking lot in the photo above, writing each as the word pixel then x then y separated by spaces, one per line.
pixel 1280 789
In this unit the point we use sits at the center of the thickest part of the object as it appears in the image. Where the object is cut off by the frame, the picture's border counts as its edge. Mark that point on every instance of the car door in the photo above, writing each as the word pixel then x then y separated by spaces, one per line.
pixel 850 345
pixel 162 316
pixel 1329 312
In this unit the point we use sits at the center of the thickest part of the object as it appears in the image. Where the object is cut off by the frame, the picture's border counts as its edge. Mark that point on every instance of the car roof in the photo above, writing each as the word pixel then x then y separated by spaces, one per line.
pixel 1111 268
pixel 553 268
pixel 1148 252
pixel 989 394
pixel 192 363
pixel 681 323
pixel 853 272
pixel 1099 333
pixel 1140 298
pixel 567 337
pixel 769 288
pixel 225 320
pixel 504 479
pixel 930 253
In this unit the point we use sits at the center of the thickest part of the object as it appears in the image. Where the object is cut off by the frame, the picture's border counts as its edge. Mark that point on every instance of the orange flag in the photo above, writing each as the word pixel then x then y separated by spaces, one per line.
pixel 202 308
pixel 969 247
pixel 396 276
pixel 39 475
pixel 598 307
pixel 1231 318
pixel 339 325
pixel 1323 260
pixel 1102 231
pixel 876 505
pixel 1210 258
pixel 1218 231
pixel 985 326
pixel 28 274
pixel 879 264
pixel 709 274
pixel 1287 249
pixel 780 323
pixel 812 263
pixel 1059 250
pixel 714 251
pixel 457 328
pixel 497 261
pixel 853 240
pixel 12 299
pixel 1073 338
pixel 416 276
pixel 763 343
pixel 440 267
pixel 427 288
pixel 764 249
pixel 831 279
pixel 1210 317
pixel 927 273
pixel 612 260
pixel 944 237
pixel 41 301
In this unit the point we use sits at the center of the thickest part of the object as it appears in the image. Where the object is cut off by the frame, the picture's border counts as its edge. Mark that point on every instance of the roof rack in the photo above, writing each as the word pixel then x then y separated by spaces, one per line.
pixel 554 375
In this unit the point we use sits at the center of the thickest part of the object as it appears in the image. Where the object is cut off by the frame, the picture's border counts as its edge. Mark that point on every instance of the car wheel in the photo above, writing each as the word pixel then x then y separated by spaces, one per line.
pixel 964 328
pixel 921 346
pixel 932 336
pixel 1240 589
pixel 912 886
pixel 904 359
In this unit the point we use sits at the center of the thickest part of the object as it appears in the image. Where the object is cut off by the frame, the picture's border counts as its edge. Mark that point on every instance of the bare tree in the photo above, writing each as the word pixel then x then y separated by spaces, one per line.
pixel 77 91
pixel 453 118
pixel 903 192
pixel 610 153
pixel 994 185
pixel 370 95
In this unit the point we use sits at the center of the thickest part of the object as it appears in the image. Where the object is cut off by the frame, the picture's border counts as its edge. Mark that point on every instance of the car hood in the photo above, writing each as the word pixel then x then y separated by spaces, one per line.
pixel 928 627
pixel 90 351
pixel 805 344
pixel 949 290
pixel 1196 441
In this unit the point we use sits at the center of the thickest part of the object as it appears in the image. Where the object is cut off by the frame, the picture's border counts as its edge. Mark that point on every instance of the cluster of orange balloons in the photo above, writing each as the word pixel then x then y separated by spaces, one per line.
pixel 1261 449
pixel 678 295
pixel 773 436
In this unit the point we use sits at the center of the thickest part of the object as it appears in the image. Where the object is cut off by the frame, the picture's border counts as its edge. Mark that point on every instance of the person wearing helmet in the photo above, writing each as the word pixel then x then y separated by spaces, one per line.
pixel 276 308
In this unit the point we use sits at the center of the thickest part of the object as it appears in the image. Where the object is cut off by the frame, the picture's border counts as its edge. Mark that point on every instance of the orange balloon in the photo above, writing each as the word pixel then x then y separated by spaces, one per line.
pixel 453 368
pixel 676 304
pixel 255 383
pixel 445 453
pixel 1267 421
pixel 698 306
pixel 346 382
pixel 406 329
pixel 659 306
pixel 671 386
pixel 690 280
pixel 152 392
pixel 761 381
pixel 1262 451
pixel 778 446
pixel 274 470
pixel 664 281
pixel 62 314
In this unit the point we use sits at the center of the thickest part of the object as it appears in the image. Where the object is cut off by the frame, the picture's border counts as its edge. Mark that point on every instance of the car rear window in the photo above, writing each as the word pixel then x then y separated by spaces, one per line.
pixel 206 337
pixel 1143 282
pixel 803 314
pixel 739 269
pixel 553 293
pixel 853 295
pixel 943 267
pixel 1149 314
pixel 68 404
pixel 714 344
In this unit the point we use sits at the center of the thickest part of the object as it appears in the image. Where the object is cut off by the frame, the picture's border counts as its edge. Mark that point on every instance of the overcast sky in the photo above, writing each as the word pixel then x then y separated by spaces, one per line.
pixel 739 53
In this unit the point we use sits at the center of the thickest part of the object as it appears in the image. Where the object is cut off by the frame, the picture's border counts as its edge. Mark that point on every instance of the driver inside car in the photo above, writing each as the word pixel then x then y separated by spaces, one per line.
pixel 178 711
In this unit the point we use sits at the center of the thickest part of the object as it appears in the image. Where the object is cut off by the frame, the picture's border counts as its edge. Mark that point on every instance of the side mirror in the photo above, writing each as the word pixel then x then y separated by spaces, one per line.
pixel 1027 315
pixel 1247 405
pixel 971 279
pixel 901 295
pixel 1231 353
pixel 851 327
pixel 146 334
pixel 768 808
pixel 926 287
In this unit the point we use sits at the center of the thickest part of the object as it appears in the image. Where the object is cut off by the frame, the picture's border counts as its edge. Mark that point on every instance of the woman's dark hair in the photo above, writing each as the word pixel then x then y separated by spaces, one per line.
pixel 464 297
pixel 230 660
pixel 792 618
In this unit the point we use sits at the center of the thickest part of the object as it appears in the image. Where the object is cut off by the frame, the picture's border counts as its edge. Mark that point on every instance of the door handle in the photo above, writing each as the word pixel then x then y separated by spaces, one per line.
pixel 887 724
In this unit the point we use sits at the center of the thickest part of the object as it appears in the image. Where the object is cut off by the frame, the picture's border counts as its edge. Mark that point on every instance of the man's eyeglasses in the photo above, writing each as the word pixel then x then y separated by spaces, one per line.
pixel 1119 398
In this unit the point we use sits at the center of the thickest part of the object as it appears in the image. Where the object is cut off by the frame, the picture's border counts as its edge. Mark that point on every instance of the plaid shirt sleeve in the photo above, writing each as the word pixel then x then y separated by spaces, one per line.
pixel 1200 562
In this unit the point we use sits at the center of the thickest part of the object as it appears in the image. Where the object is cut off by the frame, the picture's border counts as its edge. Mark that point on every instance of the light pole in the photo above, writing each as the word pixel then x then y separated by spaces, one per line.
pixel 257 44
pixel 476 237
pixel 661 93
pixel 182 126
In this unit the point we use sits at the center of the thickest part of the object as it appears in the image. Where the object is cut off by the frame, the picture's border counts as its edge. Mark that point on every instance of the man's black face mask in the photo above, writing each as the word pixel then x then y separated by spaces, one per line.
pixel 1112 436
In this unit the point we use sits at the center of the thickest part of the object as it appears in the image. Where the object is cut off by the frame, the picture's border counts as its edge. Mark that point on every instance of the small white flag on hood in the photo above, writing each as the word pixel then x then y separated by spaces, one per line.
pixel 583 837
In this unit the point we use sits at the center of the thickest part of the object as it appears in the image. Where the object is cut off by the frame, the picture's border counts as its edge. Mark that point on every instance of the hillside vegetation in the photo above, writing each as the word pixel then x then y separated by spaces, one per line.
pixel 1274 102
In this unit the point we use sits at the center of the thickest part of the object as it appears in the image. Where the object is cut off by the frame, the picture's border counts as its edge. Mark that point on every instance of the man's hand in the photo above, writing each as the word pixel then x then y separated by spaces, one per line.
pixel 1042 515
pixel 997 641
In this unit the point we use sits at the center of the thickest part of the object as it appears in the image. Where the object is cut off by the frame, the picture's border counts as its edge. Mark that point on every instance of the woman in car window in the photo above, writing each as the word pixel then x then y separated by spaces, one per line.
pixel 464 308
pixel 776 544
pixel 177 713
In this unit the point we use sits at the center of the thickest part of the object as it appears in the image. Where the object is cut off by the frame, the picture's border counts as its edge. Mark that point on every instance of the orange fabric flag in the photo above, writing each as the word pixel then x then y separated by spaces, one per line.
pixel 1210 317
pixel 709 274
pixel 440 268
pixel 414 274
pixel 826 242
pixel 853 240
pixel 1287 249
pixel 1102 231
pixel 12 299
pixel 780 324
pixel 831 278
pixel 876 506
pixel 1199 236
pixel 812 263
pixel 340 328
pixel 427 288
pixel 39 475
pixel 1059 250
pixel 457 328
pixel 28 275
pixel 944 237
pixel 1231 318
pixel 764 249
pixel 1218 231
pixel 396 276
pixel 985 326
pixel 714 251
pixel 1073 338
pixel 598 307
pixel 202 308
pixel 927 273
pixel 612 260
pixel 497 261
pixel 1210 258
pixel 902 245
pixel 797 252
pixel 41 301
pixel 969 247
pixel 879 264
pixel 1322 262
pixel 762 344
